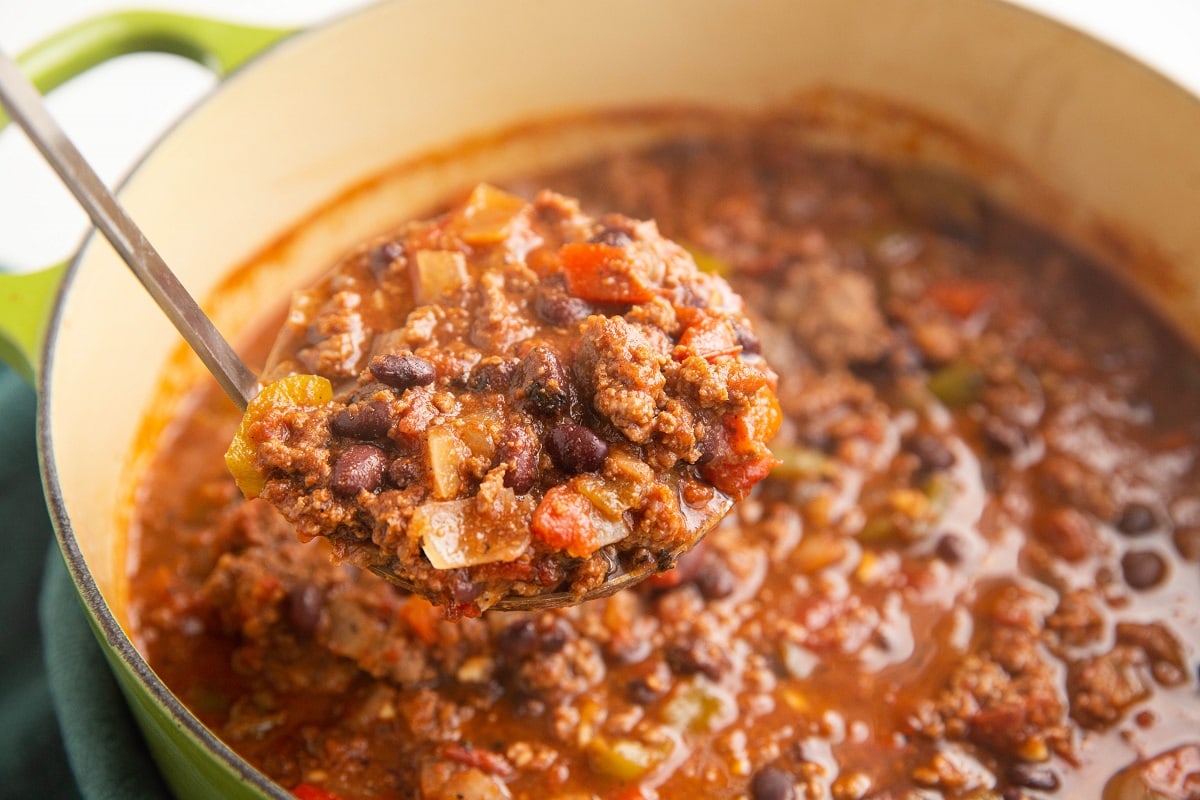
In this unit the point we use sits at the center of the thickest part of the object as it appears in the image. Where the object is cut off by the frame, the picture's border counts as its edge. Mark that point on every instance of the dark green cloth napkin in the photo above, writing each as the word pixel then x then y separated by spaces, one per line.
pixel 65 731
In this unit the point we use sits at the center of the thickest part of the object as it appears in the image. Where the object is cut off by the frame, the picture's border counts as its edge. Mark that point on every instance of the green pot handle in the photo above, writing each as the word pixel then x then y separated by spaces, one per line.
pixel 27 300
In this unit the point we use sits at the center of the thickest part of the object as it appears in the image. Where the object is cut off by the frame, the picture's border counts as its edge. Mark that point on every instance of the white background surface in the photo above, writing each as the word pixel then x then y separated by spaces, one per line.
pixel 115 112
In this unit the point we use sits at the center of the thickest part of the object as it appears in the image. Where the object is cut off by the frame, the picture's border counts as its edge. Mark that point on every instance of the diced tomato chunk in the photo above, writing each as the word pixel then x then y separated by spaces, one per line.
pixel 602 273
pixel 563 521
pixel 961 298
pixel 737 478
pixel 421 617
pixel 710 338
pixel 740 458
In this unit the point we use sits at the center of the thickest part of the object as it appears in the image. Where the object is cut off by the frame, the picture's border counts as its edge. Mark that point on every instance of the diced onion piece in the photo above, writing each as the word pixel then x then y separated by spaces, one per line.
pixel 612 497
pixel 446 456
pixel 452 536
pixel 602 273
pixel 440 275
pixel 291 390
pixel 626 759
pixel 488 215
pixel 699 705
pixel 567 520
pixel 475 430
pixel 608 531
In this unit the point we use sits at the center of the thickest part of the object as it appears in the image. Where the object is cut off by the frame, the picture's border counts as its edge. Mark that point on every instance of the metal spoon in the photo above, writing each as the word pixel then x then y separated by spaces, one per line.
pixel 25 106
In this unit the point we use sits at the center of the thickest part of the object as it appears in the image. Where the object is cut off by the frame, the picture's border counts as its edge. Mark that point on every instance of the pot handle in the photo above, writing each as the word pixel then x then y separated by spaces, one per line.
pixel 27 300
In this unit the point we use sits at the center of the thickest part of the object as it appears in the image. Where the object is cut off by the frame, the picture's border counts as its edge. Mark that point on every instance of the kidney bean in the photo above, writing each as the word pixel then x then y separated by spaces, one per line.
pixel 1143 569
pixel 1136 518
pixel 773 783
pixel 359 468
pixel 518 449
pixel 543 381
pixel 574 448
pixel 304 603
pixel 402 371
pixel 369 421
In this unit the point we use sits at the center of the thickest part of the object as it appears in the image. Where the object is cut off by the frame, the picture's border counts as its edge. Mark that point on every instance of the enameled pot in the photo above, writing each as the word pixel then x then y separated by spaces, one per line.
pixel 391 108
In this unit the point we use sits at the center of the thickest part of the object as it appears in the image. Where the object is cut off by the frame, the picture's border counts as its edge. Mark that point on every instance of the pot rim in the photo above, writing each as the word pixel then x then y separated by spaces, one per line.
pixel 116 642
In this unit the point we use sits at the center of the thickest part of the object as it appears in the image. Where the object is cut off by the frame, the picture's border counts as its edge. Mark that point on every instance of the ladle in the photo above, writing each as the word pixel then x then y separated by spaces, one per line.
pixel 25 106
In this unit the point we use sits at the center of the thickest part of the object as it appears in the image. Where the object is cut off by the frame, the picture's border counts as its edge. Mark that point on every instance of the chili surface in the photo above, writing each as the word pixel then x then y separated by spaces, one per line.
pixel 972 575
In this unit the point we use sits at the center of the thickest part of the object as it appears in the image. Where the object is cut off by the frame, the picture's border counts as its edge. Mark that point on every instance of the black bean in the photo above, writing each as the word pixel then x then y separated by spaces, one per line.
pixel 1143 569
pixel 554 305
pixel 463 589
pixel 951 549
pixel 613 237
pixel 368 421
pixel 521 639
pixel 403 371
pixel 649 681
pixel 574 448
pixel 747 339
pixel 304 604
pixel 713 578
pixel 518 450
pixel 1187 543
pixel 773 783
pixel 1136 518
pixel 553 634
pixel 697 656
pixel 1033 777
pixel 359 468
pixel 542 381
pixel 640 691
pixel 404 472
pixel 381 258
pixel 1003 437
pixel 518 640
pixel 492 374
pixel 931 452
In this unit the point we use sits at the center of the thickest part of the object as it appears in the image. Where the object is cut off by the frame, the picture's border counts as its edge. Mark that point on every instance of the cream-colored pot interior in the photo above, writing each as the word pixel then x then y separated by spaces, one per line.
pixel 330 109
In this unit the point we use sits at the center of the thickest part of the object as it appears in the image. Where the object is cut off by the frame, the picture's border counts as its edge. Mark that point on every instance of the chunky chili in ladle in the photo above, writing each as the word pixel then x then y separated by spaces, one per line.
pixel 513 405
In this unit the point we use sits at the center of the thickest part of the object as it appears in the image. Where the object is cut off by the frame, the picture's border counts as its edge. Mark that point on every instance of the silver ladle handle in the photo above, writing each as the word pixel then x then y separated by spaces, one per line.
pixel 25 106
